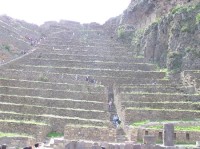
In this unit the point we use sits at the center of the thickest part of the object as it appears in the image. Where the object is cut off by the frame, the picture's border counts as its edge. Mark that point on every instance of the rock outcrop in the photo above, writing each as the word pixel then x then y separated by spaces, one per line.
pixel 166 33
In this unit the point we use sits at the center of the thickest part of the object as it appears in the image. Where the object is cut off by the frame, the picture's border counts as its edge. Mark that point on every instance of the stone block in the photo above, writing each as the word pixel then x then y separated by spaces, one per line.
pixel 80 145
pixel 117 146
pixel 122 146
pixel 168 135
pixel 128 146
pixel 111 146
pixel 4 146
pixel 96 147
pixel 137 146
pixel 71 145
pixel 104 145
pixel 149 139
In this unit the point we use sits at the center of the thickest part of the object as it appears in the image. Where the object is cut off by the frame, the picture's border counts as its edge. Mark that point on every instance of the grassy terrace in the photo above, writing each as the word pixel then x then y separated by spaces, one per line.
pixel 164 105
pixel 80 68
pixel 178 128
pixel 21 121
pixel 38 75
pixel 39 89
pixel 78 84
pixel 165 102
pixel 148 123
pixel 53 108
pixel 157 86
pixel 64 64
pixel 44 116
pixel 79 46
pixel 89 61
pixel 38 53
pixel 89 71
pixel 2 134
pixel 152 109
pixel 91 43
pixel 86 126
pixel 53 99
pixel 39 71
pixel 158 93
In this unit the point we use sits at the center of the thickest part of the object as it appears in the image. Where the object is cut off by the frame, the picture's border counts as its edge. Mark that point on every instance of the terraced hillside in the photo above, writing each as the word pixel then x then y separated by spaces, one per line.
pixel 64 85
pixel 15 38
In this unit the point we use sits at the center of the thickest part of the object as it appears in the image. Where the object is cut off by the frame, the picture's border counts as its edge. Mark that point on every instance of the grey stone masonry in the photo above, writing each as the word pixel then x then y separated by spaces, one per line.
pixel 149 139
pixel 168 135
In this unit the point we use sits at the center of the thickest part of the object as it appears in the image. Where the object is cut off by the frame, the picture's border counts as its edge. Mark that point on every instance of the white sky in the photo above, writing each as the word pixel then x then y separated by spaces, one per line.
pixel 84 11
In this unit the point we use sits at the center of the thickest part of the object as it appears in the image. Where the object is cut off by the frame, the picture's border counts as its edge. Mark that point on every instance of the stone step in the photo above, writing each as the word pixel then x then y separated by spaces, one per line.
pixel 92 58
pixel 94 72
pixel 64 64
pixel 141 114
pixel 47 93
pixel 59 41
pixel 81 35
pixel 82 47
pixel 81 51
pixel 163 105
pixel 52 86
pixel 69 112
pixel 56 122
pixel 37 130
pixel 156 89
pixel 43 75
pixel 159 97
pixel 82 41
pixel 53 102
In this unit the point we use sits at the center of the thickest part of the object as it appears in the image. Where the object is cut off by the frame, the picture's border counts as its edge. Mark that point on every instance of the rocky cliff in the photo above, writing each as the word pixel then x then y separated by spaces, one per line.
pixel 173 41
pixel 164 32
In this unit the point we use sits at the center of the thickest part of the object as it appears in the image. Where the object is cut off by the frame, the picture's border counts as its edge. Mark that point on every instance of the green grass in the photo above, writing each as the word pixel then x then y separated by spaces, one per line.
pixel 140 123
pixel 159 126
pixel 13 135
pixel 161 110
pixel 179 128
pixel 180 9
pixel 55 135
pixel 198 18
pixel 24 122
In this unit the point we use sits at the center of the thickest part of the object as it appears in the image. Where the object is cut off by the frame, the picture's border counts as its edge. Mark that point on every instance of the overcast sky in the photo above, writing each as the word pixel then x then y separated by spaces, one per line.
pixel 84 11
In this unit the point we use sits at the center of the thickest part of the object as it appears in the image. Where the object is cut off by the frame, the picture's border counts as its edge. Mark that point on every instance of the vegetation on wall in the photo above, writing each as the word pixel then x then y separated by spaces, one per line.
pixel 54 135
pixel 198 18
pixel 174 61
pixel 135 43
pixel 5 47
pixel 121 32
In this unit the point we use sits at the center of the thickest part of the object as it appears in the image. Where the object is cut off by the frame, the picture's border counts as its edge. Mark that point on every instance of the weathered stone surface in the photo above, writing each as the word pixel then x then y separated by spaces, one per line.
pixel 168 135
pixel 137 146
pixel 149 140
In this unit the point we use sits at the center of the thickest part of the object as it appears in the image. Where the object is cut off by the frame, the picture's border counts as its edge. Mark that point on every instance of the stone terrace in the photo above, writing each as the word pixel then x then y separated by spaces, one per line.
pixel 48 87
